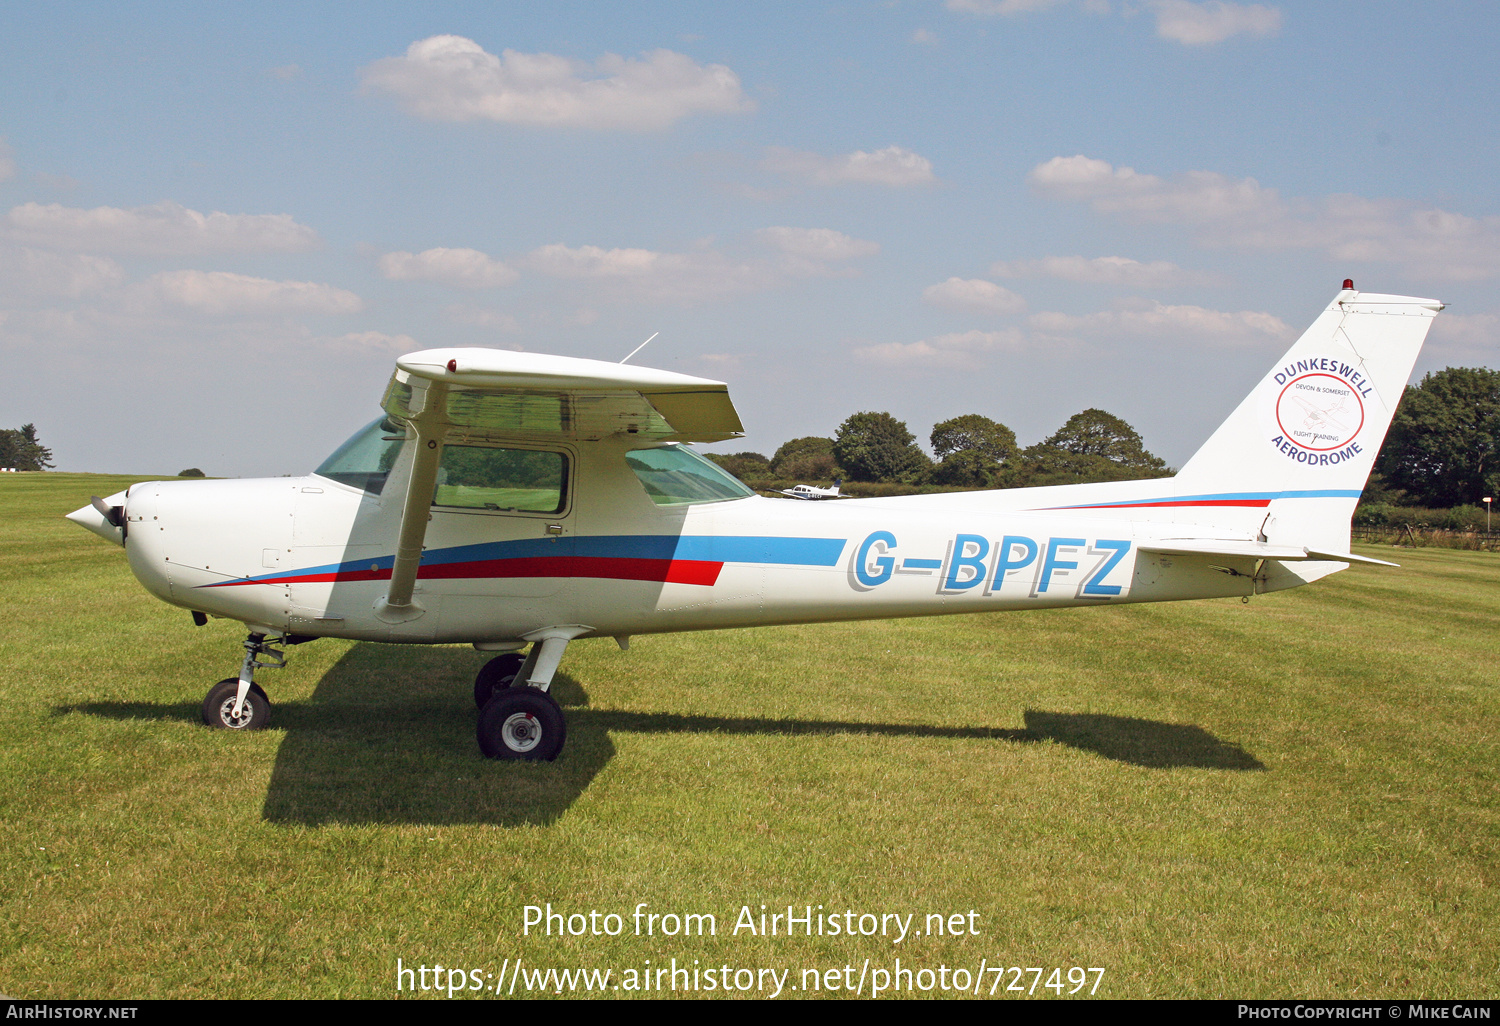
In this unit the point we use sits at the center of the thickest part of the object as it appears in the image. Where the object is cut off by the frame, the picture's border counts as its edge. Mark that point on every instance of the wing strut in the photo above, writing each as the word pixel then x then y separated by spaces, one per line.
pixel 430 425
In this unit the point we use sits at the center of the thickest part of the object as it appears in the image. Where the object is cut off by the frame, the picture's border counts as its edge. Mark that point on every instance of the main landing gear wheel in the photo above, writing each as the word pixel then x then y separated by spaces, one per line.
pixel 497 674
pixel 522 723
pixel 218 707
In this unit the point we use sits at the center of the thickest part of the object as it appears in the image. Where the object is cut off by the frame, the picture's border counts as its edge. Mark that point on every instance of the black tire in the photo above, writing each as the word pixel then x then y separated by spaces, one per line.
pixel 500 672
pixel 522 723
pixel 218 706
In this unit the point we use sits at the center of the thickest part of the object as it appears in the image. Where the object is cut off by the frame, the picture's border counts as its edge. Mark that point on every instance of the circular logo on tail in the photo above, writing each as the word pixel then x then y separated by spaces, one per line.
pixel 1319 412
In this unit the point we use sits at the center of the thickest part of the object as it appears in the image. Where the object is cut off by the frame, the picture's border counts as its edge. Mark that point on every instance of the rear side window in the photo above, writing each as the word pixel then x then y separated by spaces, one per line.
pixel 675 475
pixel 502 480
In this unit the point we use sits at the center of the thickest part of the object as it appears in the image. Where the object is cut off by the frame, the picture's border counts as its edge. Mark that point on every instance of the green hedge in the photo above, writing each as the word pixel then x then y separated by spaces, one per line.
pixel 1459 518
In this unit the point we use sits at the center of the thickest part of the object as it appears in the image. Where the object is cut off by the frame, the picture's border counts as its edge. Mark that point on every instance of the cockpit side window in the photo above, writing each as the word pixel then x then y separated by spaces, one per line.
pixel 502 480
pixel 675 475
pixel 365 460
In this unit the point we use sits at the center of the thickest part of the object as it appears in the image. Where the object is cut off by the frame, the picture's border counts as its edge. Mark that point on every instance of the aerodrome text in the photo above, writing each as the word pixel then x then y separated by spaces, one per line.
pixel 975 564
pixel 1322 459
pixel 804 921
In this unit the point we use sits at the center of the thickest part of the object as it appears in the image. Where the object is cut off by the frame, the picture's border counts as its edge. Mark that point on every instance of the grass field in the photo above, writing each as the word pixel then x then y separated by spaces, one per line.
pixel 1297 797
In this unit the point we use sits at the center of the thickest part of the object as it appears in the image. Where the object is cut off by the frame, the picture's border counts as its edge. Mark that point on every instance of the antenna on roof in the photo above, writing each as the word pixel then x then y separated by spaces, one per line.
pixel 638 348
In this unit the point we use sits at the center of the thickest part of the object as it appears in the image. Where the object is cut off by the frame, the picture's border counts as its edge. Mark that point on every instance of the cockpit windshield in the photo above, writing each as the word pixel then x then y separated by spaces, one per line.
pixel 675 475
pixel 366 459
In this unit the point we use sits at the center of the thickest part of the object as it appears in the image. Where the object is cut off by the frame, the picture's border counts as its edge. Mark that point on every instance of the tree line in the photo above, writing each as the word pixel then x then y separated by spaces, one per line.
pixel 972 451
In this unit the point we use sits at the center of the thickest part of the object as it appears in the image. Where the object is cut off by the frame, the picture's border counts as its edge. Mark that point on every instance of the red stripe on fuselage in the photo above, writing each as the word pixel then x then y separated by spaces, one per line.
pixel 1256 503
pixel 666 571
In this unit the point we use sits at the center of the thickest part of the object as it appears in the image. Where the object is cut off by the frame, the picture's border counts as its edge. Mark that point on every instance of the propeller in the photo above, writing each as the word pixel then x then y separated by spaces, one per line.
pixel 114 514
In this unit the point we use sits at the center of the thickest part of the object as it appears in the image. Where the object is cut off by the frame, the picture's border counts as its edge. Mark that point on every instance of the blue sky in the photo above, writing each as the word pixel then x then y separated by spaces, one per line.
pixel 219 225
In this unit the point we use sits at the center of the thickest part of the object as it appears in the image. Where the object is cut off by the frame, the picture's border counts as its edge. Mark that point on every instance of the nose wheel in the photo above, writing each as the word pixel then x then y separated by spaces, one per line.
pixel 238 703
pixel 218 707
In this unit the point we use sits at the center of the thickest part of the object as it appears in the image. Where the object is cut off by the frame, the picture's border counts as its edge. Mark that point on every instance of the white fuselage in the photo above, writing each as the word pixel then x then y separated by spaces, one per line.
pixel 311 556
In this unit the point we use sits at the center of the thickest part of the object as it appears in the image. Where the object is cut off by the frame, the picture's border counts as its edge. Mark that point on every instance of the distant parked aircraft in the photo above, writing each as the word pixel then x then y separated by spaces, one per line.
pixel 810 492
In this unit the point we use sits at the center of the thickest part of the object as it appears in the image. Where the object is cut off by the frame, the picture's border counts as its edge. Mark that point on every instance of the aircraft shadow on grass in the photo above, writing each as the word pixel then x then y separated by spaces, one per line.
pixel 363 753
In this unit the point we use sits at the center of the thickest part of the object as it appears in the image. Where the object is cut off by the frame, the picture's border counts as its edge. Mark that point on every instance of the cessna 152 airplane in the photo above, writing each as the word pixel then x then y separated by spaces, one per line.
pixel 508 500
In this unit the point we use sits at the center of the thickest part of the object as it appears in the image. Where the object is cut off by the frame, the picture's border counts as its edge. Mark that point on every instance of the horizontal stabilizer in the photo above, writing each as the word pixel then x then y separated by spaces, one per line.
pixel 1348 557
pixel 1234 549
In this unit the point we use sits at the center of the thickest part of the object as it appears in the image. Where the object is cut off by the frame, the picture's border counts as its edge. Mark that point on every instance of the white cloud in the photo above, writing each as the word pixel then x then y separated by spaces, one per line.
pixel 285 72
pixel 1468 329
pixel 1168 323
pixel 956 349
pixel 7 165
pixel 975 295
pixel 1182 21
pixel 163 229
pixel 723 363
pixel 597 262
pixel 48 329
pixel 1465 339
pixel 1049 330
pixel 1110 270
pixel 644 274
pixel 26 272
pixel 891 166
pixel 218 293
pixel 1428 243
pixel 481 317
pixel 924 38
pixel 450 78
pixel 465 268
pixel 820 244
pixel 374 342
pixel 703 273
pixel 1200 24
pixel 1199 197
pixel 1005 7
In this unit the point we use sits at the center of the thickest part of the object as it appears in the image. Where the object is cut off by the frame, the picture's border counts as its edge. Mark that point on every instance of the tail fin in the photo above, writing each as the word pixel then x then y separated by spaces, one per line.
pixel 1299 449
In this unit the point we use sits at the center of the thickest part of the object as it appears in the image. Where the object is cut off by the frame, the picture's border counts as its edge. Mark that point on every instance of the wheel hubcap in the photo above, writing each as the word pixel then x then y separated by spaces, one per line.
pixel 521 732
pixel 229 719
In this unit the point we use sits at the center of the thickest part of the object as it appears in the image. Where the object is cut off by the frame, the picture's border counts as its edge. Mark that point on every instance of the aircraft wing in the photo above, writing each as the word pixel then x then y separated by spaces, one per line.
pixel 1234 548
pixel 462 395
pixel 498 393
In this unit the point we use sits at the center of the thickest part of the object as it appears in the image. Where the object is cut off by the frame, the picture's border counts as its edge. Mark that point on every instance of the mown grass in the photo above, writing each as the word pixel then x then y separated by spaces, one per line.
pixel 1295 797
